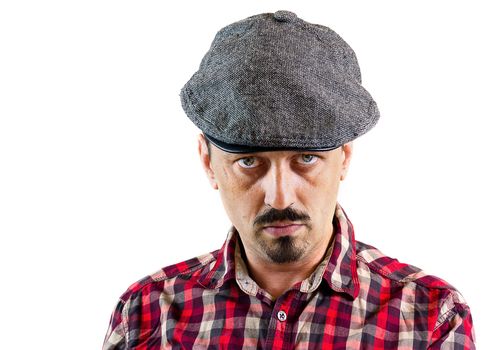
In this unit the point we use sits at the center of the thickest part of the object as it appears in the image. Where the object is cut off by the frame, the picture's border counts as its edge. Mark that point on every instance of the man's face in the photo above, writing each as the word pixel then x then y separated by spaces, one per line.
pixel 282 202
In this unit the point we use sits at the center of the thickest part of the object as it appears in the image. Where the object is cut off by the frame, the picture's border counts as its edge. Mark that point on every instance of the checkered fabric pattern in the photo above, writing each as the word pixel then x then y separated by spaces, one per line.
pixel 357 298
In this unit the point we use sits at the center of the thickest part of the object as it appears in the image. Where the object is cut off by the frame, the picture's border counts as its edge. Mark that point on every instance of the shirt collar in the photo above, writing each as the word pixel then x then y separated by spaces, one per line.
pixel 341 270
pixel 338 268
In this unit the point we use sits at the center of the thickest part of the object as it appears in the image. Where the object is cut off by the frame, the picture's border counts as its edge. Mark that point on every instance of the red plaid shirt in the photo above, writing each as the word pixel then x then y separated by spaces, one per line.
pixel 357 298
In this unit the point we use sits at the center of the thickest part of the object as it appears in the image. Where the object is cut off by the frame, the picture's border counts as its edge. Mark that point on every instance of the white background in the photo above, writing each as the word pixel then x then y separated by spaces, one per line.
pixel 100 183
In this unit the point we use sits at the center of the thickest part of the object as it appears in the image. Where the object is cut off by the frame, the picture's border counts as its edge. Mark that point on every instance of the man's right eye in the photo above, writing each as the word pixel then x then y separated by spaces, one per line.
pixel 247 162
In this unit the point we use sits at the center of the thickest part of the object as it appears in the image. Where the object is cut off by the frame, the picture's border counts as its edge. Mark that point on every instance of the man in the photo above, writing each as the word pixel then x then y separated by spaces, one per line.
pixel 279 102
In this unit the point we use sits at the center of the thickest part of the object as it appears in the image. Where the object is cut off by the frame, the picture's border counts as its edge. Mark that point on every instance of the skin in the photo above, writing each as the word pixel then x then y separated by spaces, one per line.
pixel 260 189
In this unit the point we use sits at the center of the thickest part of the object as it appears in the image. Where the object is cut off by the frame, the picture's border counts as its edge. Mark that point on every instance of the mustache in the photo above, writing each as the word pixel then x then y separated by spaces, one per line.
pixel 287 214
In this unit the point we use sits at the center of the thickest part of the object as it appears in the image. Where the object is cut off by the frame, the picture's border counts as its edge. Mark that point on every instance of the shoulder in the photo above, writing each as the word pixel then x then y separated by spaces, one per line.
pixel 424 301
pixel 168 276
pixel 394 270
pixel 139 307
pixel 418 288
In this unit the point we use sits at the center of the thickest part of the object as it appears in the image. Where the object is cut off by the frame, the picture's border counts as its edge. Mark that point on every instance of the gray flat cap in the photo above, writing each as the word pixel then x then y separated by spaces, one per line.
pixel 273 81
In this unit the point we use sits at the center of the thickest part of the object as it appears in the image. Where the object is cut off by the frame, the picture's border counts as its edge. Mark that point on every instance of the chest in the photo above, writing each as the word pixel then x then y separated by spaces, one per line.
pixel 230 320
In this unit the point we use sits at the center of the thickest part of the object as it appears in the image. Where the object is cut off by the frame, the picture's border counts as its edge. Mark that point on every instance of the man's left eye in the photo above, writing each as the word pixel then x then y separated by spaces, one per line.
pixel 308 158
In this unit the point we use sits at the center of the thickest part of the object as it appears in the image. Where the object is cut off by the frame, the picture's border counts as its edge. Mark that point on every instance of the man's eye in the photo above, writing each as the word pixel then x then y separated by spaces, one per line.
pixel 248 162
pixel 308 158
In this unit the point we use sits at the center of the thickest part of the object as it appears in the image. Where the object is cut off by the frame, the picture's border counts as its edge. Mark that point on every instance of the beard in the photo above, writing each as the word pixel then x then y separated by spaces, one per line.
pixel 283 250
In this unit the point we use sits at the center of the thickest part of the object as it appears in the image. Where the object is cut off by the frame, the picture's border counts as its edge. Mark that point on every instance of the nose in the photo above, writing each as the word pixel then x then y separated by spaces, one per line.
pixel 279 186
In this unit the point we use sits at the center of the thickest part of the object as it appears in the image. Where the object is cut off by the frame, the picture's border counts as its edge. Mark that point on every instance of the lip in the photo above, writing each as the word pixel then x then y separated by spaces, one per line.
pixel 282 230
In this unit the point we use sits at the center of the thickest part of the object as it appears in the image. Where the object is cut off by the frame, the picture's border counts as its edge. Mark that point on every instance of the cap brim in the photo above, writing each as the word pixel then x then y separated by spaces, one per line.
pixel 235 148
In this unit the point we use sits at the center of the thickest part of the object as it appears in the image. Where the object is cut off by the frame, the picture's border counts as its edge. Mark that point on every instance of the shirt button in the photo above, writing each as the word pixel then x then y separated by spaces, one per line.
pixel 281 316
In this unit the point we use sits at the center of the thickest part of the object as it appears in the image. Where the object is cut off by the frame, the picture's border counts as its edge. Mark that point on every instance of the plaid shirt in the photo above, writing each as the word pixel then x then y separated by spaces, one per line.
pixel 357 298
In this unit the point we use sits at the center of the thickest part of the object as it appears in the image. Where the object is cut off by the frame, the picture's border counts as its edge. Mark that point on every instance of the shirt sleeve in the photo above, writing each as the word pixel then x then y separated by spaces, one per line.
pixel 454 328
pixel 115 339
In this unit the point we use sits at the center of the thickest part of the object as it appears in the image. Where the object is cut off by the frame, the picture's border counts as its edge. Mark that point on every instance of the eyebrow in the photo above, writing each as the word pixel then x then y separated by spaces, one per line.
pixel 231 156
pixel 240 155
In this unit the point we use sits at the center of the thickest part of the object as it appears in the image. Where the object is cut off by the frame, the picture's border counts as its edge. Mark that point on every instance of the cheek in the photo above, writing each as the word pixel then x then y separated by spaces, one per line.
pixel 229 185
pixel 325 182
pixel 238 196
pixel 235 184
pixel 321 193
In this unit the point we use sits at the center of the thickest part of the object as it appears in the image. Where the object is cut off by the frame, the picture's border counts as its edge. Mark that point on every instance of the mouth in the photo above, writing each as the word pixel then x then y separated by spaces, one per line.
pixel 279 230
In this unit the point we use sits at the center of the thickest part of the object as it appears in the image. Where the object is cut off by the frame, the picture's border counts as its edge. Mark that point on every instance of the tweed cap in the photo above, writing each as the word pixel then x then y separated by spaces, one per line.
pixel 273 81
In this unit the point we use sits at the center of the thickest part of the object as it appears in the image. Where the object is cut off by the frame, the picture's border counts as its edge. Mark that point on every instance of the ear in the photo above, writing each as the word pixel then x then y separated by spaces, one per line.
pixel 347 149
pixel 205 159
